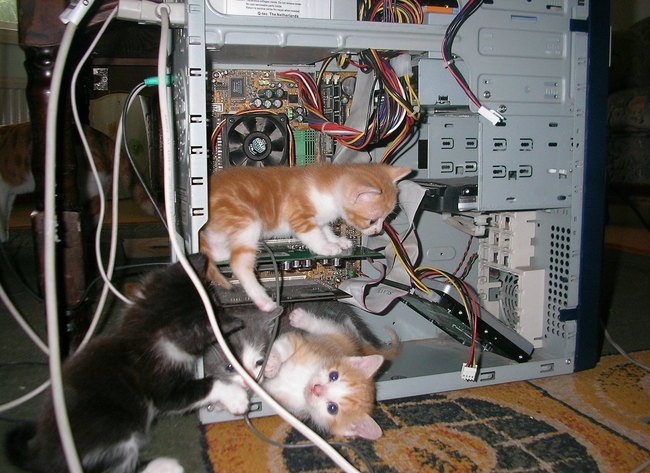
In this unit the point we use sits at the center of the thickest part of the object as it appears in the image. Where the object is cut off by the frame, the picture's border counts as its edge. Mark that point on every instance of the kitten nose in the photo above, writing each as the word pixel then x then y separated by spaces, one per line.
pixel 316 389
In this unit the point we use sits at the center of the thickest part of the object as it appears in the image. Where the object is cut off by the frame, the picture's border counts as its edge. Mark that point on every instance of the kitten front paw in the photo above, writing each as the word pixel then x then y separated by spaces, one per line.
pixel 236 402
pixel 164 465
pixel 328 249
pixel 345 243
pixel 298 318
pixel 266 305
pixel 272 365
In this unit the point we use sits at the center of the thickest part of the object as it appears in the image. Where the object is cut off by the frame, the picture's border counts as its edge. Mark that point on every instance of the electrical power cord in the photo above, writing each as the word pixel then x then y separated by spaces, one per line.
pixel 105 273
pixel 449 59
pixel 50 237
pixel 623 352
pixel 167 142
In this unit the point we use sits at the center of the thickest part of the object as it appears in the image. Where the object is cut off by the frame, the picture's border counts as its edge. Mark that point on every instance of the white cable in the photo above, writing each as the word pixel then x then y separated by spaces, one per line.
pixel 50 238
pixel 623 352
pixel 24 398
pixel 107 273
pixel 179 252
pixel 22 322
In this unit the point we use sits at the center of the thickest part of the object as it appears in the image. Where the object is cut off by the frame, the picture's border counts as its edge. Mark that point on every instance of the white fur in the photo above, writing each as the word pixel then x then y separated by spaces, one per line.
pixel 169 350
pixel 230 396
pixel 326 204
pixel 8 195
pixel 242 268
pixel 164 465
pixel 249 358
pixel 317 241
pixel 217 244
pixel 305 320
pixel 128 450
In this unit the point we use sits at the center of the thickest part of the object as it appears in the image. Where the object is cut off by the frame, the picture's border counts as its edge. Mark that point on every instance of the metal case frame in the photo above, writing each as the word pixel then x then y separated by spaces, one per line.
pixel 542 64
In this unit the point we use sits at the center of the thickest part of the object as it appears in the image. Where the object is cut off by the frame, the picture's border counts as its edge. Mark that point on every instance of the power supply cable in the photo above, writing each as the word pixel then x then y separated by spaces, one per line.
pixel 22 322
pixel 449 59
pixel 50 236
pixel 167 141
pixel 623 352
pixel 105 273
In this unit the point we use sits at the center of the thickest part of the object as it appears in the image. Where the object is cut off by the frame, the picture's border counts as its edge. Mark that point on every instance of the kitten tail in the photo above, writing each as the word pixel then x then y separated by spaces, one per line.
pixel 388 351
pixel 17 446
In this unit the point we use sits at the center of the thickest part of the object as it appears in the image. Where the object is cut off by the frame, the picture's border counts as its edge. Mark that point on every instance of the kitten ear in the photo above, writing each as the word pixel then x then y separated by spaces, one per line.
pixel 397 173
pixel 229 324
pixel 368 365
pixel 363 193
pixel 365 427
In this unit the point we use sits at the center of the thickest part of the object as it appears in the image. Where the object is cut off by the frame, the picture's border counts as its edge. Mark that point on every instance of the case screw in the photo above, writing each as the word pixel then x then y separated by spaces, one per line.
pixel 502 109
pixel 568 361
pixel 487 94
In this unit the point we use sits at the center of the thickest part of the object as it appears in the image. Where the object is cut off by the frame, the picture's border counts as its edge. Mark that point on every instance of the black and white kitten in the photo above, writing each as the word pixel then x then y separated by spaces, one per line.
pixel 119 383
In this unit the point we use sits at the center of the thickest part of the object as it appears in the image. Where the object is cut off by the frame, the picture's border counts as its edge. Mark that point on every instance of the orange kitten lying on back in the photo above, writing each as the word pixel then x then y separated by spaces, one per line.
pixel 246 204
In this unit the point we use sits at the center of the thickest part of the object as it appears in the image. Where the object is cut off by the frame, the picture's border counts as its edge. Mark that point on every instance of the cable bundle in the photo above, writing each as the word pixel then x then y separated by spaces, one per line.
pixel 464 290
pixel 391 110
pixel 398 11
pixel 449 59
pixel 447 56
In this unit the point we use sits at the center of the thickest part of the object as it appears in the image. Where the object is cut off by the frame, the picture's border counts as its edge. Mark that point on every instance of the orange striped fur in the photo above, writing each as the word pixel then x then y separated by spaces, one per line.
pixel 246 204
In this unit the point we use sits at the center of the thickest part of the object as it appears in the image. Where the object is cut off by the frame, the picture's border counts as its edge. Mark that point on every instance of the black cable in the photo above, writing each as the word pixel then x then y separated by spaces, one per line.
pixel 468 10
pixel 293 446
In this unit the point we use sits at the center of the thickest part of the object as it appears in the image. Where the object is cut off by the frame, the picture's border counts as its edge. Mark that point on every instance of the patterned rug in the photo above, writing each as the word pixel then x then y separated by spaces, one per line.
pixel 595 420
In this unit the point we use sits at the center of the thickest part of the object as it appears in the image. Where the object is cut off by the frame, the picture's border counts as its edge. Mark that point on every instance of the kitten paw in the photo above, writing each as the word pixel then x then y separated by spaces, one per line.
pixel 236 402
pixel 272 365
pixel 329 249
pixel 164 465
pixel 345 243
pixel 298 318
pixel 266 305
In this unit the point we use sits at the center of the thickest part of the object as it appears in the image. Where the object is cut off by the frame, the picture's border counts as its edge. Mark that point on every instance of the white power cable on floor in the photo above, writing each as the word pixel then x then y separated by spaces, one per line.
pixel 165 114
pixel 22 322
pixel 50 238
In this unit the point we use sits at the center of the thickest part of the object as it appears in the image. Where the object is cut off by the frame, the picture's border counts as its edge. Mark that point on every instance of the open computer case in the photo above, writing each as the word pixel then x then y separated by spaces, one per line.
pixel 529 189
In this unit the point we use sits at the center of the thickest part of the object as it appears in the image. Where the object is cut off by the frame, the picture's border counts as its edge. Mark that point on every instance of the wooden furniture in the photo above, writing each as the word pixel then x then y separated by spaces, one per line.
pixel 40 32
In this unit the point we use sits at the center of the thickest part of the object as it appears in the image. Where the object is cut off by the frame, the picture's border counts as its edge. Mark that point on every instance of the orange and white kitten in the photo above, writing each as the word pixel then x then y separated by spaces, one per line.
pixel 246 204
pixel 325 372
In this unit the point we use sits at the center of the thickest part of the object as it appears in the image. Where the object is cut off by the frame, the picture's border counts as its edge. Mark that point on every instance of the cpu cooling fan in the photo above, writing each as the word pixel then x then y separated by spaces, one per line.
pixel 256 139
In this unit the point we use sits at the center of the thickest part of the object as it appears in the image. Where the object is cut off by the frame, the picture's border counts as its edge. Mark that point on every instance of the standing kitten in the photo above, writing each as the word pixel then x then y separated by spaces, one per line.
pixel 119 383
pixel 246 204
pixel 16 171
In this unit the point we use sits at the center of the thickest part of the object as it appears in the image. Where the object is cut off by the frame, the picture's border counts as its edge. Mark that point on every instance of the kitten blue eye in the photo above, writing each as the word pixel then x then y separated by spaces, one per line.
pixel 230 368
pixel 259 362
pixel 334 375
pixel 332 408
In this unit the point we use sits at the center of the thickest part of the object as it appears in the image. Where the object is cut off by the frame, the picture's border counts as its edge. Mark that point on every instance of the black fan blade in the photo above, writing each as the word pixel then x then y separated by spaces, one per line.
pixel 237 158
pixel 275 158
pixel 245 126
